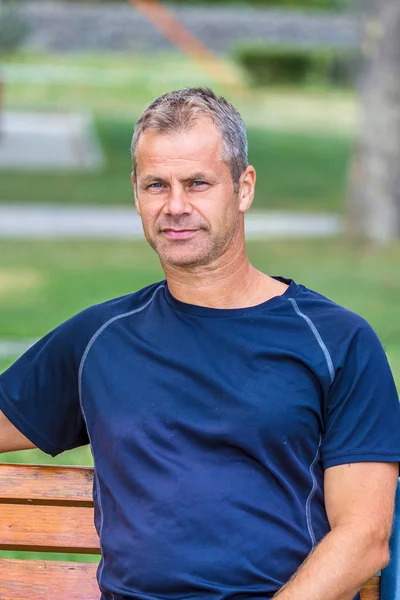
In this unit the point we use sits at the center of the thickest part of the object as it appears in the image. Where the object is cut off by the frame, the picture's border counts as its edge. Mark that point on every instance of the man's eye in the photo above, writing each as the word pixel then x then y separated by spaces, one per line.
pixel 156 185
pixel 198 183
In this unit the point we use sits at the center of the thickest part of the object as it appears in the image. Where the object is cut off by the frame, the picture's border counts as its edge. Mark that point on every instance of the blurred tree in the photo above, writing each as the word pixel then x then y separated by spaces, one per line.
pixel 374 200
pixel 13 28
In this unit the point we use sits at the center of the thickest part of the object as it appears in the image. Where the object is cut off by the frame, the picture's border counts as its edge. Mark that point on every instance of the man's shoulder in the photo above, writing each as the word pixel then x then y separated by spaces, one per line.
pixel 334 322
pixel 100 314
pixel 75 334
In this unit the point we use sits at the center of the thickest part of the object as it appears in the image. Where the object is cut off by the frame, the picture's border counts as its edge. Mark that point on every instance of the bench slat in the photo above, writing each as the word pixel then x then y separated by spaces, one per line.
pixel 47 580
pixel 46 484
pixel 371 590
pixel 48 528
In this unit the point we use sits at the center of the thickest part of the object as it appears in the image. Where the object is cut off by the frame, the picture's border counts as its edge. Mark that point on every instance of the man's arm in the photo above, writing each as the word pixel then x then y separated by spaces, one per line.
pixel 359 501
pixel 10 438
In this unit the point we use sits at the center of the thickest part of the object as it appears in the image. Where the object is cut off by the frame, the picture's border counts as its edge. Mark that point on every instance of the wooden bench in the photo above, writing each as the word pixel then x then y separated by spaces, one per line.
pixel 47 509
pixel 50 509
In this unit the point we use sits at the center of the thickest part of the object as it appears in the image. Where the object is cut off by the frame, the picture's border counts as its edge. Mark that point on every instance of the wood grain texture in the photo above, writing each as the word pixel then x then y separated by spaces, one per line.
pixel 46 484
pixel 48 528
pixel 371 590
pixel 47 580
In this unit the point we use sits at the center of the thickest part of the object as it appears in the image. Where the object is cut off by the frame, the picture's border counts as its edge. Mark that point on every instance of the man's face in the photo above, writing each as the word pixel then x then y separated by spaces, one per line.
pixel 185 196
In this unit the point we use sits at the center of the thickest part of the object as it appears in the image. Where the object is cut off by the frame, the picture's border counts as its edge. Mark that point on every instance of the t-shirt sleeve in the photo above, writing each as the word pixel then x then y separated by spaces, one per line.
pixel 362 415
pixel 39 393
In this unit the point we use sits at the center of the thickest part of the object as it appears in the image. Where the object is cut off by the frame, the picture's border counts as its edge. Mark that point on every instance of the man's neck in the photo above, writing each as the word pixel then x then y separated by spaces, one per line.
pixel 232 283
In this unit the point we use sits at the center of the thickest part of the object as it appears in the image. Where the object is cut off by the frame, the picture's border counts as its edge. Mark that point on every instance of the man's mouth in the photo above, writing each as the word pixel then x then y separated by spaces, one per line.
pixel 179 234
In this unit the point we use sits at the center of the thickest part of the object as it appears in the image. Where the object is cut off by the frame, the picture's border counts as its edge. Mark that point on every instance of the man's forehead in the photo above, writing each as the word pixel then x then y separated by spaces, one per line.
pixel 203 135
pixel 190 151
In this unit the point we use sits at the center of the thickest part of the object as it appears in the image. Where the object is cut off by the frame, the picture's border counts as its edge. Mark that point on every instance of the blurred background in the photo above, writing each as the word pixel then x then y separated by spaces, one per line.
pixel 317 82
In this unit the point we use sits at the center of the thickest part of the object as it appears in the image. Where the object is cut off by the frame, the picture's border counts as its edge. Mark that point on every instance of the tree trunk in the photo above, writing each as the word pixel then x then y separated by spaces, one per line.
pixel 374 208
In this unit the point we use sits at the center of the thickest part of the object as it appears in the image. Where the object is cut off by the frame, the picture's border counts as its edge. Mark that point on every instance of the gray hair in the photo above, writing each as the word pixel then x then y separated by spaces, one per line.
pixel 179 110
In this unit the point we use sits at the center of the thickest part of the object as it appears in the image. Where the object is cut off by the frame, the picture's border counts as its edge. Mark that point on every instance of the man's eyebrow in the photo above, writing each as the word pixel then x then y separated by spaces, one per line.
pixel 199 176
pixel 196 177
pixel 152 179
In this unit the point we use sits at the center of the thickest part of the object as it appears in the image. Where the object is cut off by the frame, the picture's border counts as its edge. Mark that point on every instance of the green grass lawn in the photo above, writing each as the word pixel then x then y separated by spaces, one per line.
pixel 299 140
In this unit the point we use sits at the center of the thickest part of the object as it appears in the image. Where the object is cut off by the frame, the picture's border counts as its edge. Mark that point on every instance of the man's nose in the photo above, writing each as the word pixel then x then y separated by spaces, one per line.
pixel 177 202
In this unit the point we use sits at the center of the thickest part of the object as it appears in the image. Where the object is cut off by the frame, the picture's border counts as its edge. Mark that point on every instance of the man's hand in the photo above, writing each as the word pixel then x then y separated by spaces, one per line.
pixel 359 500
pixel 10 438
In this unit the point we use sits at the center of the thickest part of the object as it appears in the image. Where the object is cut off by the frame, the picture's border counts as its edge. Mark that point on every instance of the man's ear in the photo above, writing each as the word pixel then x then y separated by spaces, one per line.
pixel 135 195
pixel 246 189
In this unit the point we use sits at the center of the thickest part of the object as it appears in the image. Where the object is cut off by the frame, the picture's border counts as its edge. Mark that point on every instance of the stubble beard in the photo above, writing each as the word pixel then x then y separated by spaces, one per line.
pixel 185 255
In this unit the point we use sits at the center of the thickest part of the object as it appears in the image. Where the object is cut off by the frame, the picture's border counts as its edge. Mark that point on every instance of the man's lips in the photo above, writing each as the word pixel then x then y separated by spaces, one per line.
pixel 179 234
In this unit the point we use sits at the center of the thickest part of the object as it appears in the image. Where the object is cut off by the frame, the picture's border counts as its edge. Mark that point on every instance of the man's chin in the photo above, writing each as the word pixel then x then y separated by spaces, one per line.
pixel 183 263
pixel 180 259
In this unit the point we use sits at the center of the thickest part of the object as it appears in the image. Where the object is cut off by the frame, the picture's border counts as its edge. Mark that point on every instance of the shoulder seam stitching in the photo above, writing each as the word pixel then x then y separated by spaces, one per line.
pixel 103 327
pixel 317 336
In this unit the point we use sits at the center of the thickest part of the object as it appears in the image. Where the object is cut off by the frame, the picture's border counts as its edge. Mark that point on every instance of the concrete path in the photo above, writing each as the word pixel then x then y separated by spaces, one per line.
pixel 46 141
pixel 52 222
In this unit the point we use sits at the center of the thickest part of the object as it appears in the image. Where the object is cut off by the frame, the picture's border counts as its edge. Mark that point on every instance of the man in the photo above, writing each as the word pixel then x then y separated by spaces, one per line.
pixel 244 428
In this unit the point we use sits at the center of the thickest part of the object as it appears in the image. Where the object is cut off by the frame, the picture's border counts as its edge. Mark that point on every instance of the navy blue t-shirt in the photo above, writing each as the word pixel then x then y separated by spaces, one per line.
pixel 210 430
